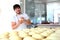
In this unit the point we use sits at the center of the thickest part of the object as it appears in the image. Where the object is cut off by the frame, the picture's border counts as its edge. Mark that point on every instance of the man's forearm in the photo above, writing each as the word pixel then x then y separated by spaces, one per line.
pixel 28 22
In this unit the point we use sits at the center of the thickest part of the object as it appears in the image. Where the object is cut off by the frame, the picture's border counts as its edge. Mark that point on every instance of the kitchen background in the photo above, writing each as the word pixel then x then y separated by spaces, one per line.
pixel 38 10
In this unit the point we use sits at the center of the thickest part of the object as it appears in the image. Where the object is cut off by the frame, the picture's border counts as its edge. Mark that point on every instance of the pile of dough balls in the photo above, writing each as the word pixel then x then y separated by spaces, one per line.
pixel 32 34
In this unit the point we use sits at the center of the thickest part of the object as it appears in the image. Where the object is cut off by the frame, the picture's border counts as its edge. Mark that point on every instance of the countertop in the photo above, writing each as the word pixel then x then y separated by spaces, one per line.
pixel 48 24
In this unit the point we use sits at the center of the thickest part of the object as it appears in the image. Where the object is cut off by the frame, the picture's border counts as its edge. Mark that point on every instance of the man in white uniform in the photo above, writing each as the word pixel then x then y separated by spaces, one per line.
pixel 20 20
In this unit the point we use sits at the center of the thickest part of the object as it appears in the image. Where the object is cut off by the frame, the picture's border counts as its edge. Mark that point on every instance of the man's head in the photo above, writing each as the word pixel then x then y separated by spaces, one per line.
pixel 17 8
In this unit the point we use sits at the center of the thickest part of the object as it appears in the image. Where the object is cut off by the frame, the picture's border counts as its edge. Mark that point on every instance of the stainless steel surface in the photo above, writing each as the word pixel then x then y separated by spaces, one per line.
pixel 49 25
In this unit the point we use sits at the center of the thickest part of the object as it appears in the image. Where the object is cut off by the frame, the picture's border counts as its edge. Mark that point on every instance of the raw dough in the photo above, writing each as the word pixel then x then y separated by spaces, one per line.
pixel 29 38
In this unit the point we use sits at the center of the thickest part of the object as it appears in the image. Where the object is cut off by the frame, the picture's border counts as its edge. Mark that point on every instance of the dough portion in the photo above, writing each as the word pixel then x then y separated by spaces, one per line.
pixel 37 36
pixel 29 38
pixel 13 33
pixel 4 39
pixel 5 35
pixel 23 34
pixel 15 38
pixel 26 30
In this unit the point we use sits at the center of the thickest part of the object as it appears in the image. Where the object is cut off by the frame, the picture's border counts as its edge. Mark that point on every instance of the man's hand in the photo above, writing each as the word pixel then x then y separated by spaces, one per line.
pixel 21 20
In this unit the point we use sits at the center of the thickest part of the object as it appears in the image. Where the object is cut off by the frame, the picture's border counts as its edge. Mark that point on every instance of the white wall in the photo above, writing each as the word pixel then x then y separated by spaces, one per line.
pixel 6 13
pixel 53 11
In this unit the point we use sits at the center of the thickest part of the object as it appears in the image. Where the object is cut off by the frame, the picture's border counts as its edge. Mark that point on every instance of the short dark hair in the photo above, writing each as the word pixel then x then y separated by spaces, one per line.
pixel 16 6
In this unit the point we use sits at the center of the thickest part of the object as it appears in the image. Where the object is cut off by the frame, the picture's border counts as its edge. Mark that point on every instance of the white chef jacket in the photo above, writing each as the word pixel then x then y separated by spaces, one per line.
pixel 17 17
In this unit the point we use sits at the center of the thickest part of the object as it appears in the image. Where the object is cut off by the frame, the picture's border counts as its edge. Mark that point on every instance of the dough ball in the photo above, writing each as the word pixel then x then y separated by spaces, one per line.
pixel 23 34
pixel 43 39
pixel 15 38
pixel 29 38
pixel 5 35
pixel 45 34
pixel 4 39
pixel 37 36
pixel 31 33
pixel 49 31
pixel 13 33
pixel 26 30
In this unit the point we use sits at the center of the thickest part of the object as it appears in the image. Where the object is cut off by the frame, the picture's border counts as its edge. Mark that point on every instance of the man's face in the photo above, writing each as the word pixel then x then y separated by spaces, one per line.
pixel 18 10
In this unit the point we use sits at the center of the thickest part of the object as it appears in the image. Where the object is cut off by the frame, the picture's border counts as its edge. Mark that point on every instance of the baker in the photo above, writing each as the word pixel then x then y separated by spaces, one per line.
pixel 20 20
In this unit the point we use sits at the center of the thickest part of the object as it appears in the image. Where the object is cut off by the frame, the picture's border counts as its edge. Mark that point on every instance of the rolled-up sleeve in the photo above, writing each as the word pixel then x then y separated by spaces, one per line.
pixel 13 19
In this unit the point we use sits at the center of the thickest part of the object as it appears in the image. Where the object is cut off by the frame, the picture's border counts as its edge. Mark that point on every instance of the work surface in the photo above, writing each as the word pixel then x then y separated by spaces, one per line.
pixel 48 25
pixel 32 34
